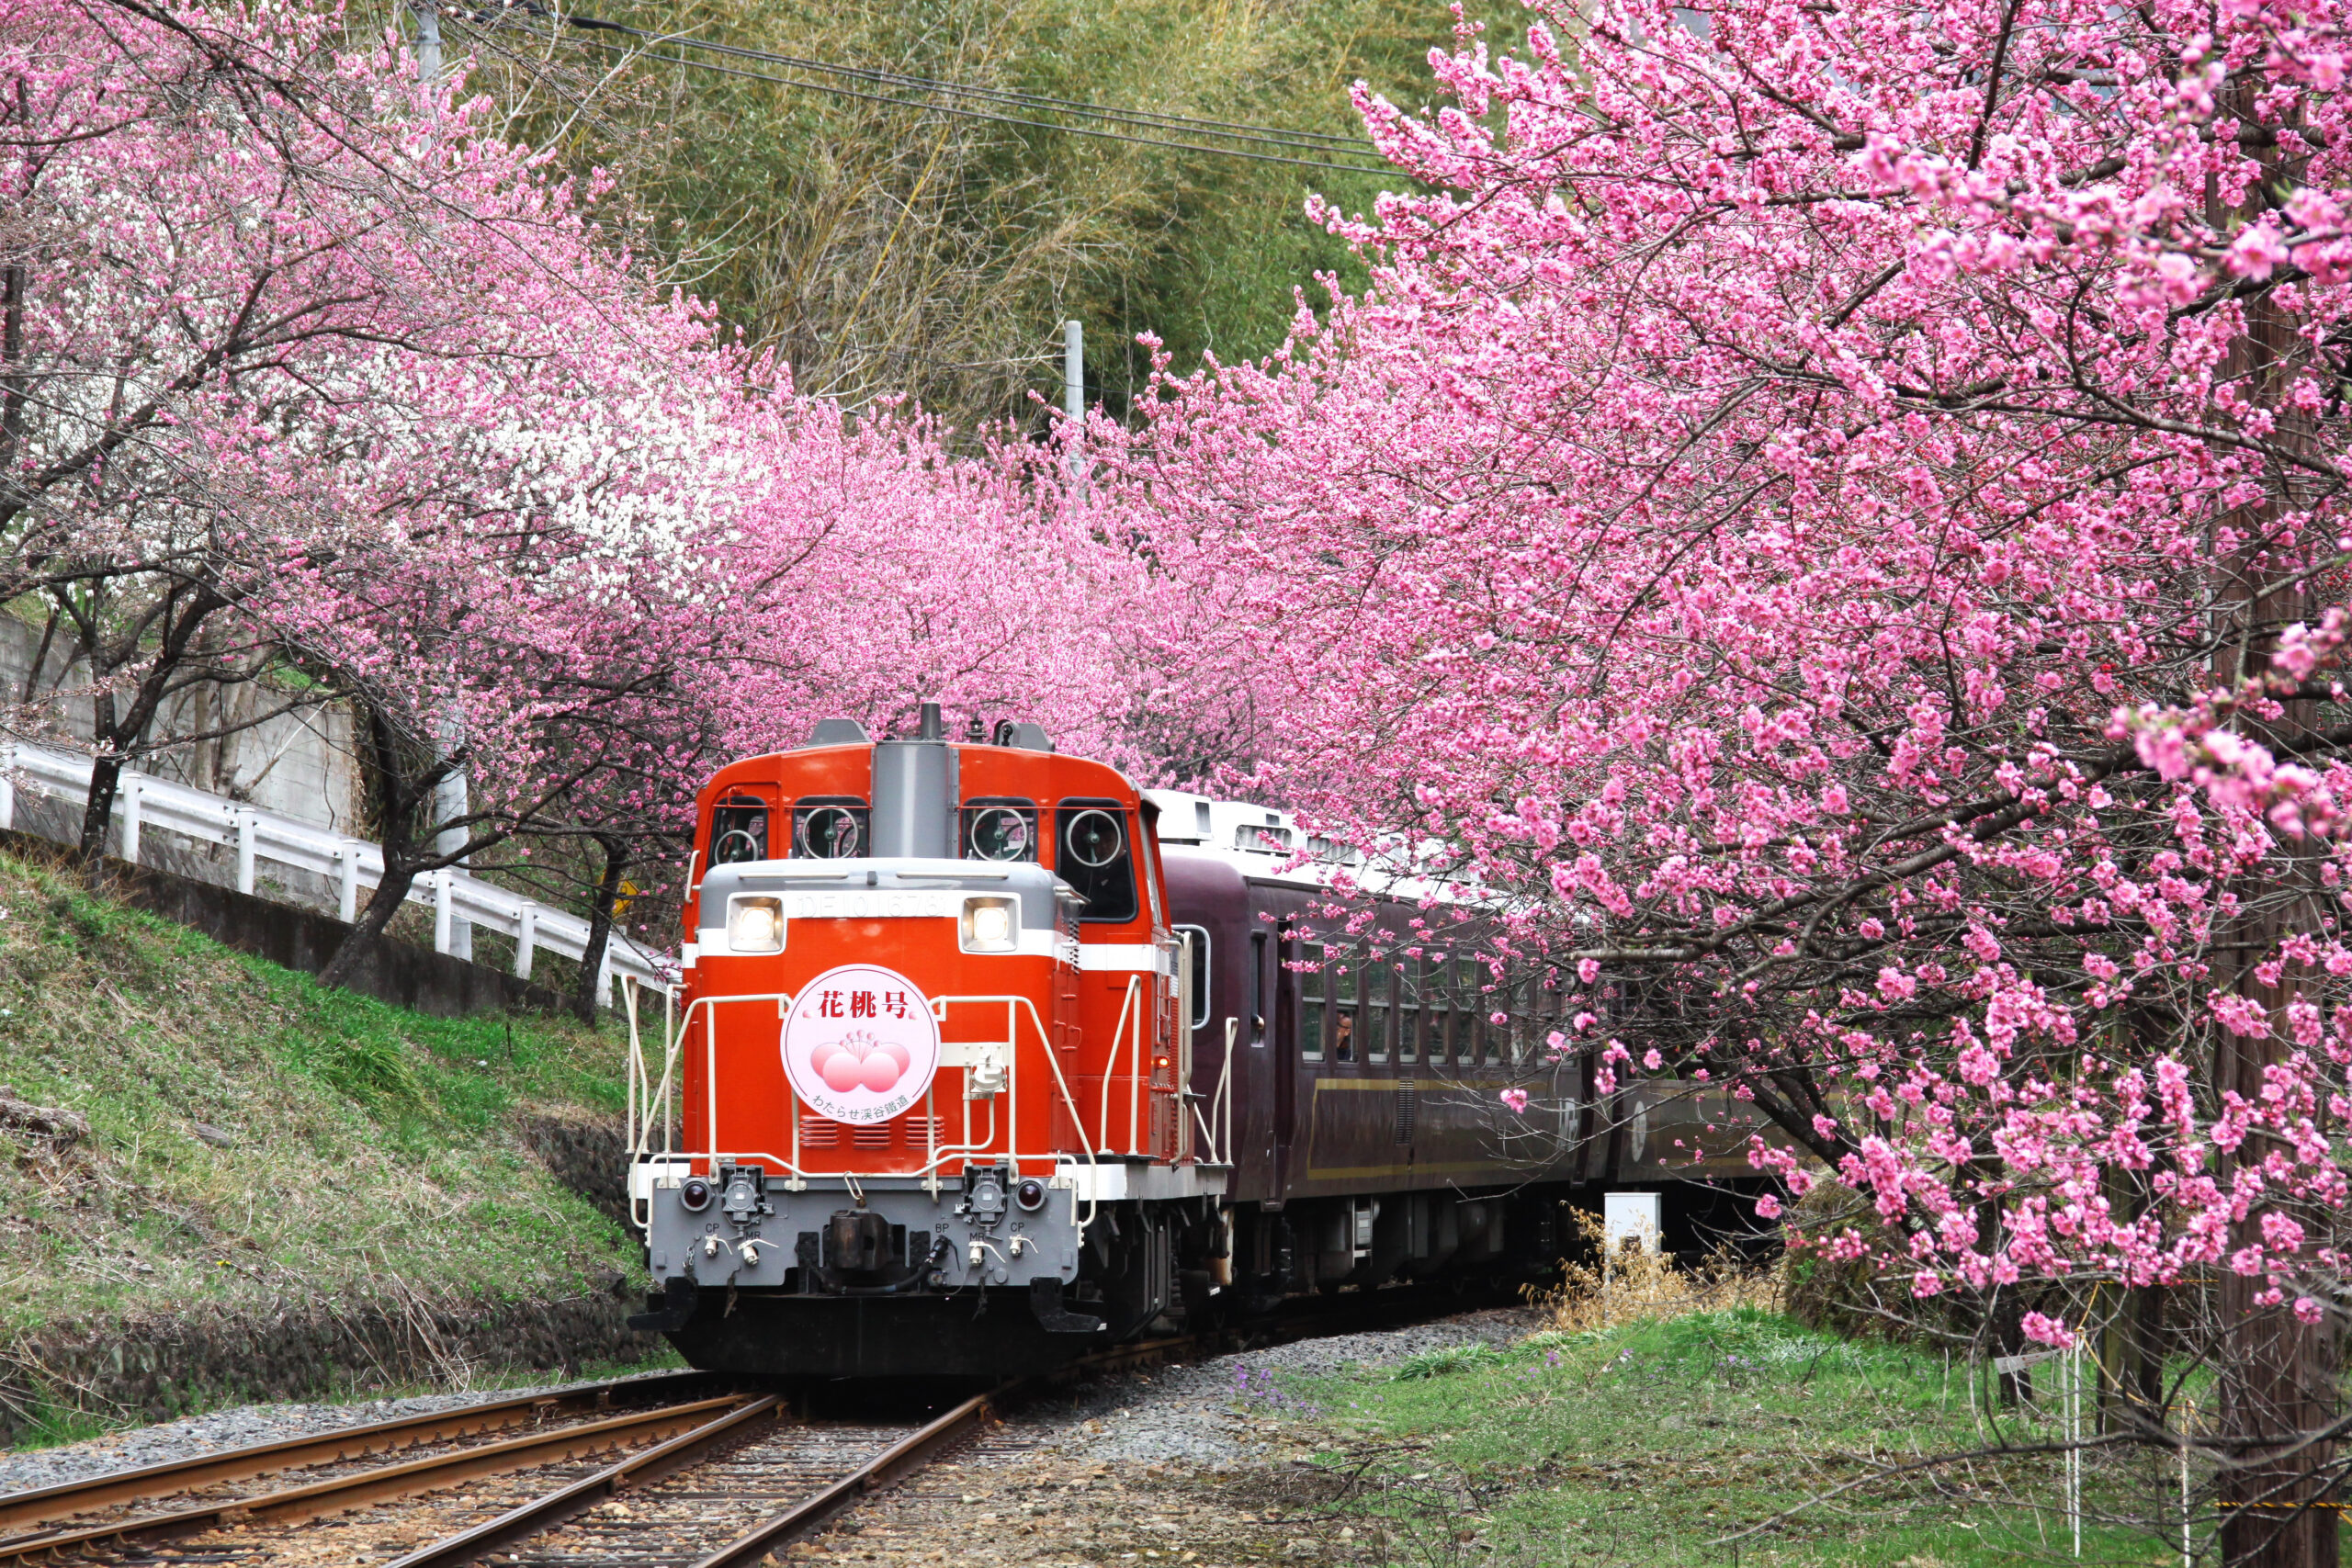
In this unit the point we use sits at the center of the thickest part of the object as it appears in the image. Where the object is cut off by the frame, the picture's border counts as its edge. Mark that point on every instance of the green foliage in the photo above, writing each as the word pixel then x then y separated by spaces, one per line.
pixel 887 247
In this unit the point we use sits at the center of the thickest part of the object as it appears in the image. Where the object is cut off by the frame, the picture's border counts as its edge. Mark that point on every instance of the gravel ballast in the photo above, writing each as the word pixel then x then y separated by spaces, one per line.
pixel 1169 1464
pixel 192 1437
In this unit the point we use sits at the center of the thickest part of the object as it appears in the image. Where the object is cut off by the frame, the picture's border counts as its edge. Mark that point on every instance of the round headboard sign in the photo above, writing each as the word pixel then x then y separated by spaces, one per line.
pixel 860 1045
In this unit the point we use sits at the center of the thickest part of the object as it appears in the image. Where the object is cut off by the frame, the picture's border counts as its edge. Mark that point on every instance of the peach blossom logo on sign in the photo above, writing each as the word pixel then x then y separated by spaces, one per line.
pixel 860 1044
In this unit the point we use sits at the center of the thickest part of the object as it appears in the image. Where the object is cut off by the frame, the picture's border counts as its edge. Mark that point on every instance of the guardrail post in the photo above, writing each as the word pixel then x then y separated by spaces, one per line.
pixel 244 851
pixel 444 914
pixel 131 817
pixel 7 785
pixel 527 933
pixel 346 893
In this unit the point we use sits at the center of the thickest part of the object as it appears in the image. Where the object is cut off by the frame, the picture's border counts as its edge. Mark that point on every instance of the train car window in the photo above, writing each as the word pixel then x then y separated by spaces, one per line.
pixel 1197 955
pixel 1437 997
pixel 1466 1025
pixel 999 830
pixel 1310 1002
pixel 1093 853
pixel 739 831
pixel 831 827
pixel 1256 1022
pixel 1408 1009
pixel 1377 979
pixel 1343 1010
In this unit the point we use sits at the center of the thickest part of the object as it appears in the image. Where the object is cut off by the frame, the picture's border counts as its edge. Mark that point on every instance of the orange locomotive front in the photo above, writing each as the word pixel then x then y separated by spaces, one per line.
pixel 929 1058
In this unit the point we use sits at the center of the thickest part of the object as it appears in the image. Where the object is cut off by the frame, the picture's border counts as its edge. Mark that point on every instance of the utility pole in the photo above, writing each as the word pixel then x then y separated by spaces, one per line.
pixel 449 802
pixel 428 39
pixel 1074 395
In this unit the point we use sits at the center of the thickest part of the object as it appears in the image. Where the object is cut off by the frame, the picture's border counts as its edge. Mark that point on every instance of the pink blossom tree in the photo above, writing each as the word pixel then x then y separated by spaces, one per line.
pixel 1787 505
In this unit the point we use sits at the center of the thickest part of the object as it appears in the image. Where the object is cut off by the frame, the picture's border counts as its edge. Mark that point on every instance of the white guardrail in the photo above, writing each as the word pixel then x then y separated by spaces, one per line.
pixel 258 835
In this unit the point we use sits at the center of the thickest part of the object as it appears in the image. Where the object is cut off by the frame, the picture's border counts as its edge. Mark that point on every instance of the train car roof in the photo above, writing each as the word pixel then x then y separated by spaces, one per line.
pixel 1265 843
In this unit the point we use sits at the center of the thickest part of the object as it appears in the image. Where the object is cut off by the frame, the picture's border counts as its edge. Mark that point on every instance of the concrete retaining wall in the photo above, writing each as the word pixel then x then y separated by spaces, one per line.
pixel 155 1367
pixel 295 763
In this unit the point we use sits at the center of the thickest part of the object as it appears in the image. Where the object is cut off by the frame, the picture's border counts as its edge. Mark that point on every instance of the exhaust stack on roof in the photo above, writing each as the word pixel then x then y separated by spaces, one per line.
pixel 914 793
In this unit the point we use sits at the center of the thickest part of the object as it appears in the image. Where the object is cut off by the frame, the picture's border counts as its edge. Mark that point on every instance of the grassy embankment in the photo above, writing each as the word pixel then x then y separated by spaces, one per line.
pixel 1668 1432
pixel 255 1138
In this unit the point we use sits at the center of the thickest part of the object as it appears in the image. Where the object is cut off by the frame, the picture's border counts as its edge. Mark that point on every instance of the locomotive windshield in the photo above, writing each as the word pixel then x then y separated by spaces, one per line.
pixel 739 831
pixel 1001 830
pixel 831 828
pixel 1091 853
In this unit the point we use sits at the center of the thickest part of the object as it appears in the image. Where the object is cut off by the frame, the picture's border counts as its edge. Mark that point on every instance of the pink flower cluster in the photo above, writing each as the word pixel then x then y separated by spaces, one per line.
pixel 1794 509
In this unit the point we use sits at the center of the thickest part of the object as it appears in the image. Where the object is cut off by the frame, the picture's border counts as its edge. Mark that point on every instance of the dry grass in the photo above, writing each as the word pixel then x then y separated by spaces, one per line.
pixel 1631 1283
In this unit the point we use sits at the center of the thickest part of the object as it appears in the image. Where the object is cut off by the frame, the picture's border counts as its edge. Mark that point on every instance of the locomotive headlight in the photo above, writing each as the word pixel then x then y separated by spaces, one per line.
pixel 694 1195
pixel 754 923
pixel 991 925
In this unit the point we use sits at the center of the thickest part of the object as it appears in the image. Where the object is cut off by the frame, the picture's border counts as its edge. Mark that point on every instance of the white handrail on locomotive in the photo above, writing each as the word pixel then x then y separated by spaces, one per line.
pixel 1111 1070
pixel 1220 1112
pixel 641 1152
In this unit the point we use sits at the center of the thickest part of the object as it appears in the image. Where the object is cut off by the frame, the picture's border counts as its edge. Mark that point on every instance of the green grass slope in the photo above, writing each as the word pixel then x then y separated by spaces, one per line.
pixel 1708 1438
pixel 254 1137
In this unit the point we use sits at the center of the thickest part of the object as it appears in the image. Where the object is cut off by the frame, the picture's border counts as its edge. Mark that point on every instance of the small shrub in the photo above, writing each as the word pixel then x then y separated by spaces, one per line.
pixel 1447 1360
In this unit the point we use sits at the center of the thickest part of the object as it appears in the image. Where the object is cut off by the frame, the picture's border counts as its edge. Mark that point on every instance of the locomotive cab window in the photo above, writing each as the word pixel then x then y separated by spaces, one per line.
pixel 831 828
pixel 999 830
pixel 739 831
pixel 1095 853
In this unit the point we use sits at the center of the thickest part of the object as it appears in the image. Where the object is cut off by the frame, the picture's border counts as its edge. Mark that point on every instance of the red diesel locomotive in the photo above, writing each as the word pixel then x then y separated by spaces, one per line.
pixel 985 1057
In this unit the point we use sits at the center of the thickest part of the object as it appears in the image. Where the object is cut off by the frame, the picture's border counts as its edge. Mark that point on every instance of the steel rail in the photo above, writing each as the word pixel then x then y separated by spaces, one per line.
pixel 883 1469
pixel 912 1452
pixel 919 1448
pixel 544 1513
pixel 21 1509
pixel 343 1493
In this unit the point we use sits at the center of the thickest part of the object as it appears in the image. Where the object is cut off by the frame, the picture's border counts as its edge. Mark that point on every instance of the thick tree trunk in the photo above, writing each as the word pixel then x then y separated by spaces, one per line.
pixel 397 799
pixel 600 929
pixel 2277 1375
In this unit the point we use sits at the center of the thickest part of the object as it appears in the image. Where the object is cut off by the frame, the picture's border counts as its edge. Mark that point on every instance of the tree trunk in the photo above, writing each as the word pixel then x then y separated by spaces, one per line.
pixel 397 799
pixel 600 928
pixel 390 895
pixel 97 816
pixel 2277 1375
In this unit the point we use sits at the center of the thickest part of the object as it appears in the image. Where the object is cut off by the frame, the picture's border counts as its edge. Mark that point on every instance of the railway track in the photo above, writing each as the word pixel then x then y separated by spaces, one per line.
pixel 672 1469
pixel 605 1473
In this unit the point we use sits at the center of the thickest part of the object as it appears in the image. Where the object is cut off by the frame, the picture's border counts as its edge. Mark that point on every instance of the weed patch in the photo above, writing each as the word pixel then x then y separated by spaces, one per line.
pixel 1711 1437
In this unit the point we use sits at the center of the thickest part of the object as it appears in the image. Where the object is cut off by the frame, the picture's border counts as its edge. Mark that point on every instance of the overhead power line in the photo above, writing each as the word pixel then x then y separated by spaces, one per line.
pixel 1152 119
pixel 1175 125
